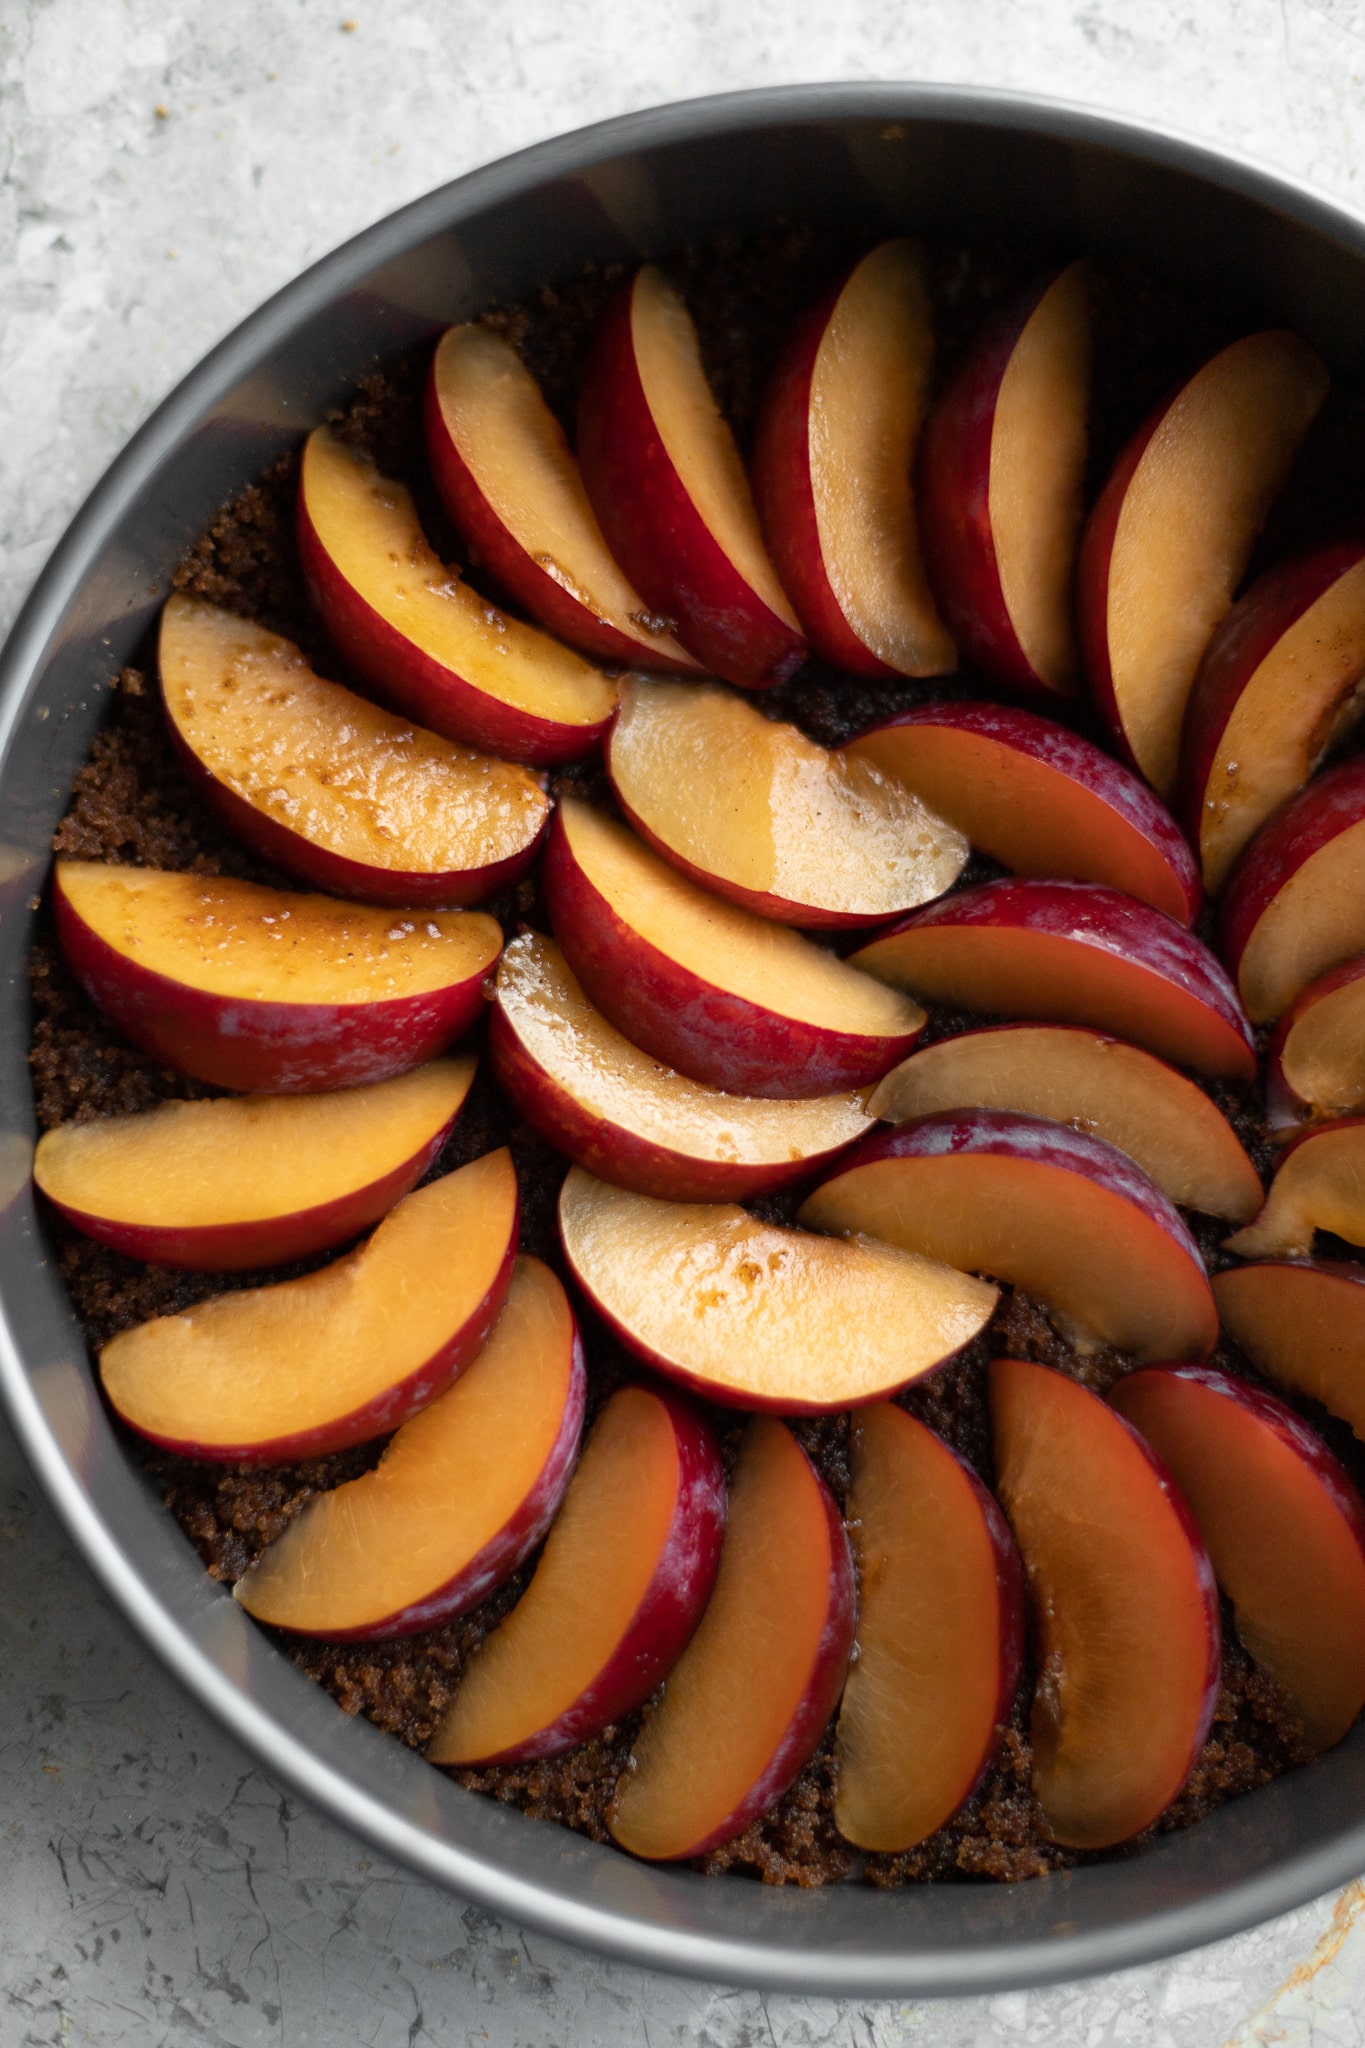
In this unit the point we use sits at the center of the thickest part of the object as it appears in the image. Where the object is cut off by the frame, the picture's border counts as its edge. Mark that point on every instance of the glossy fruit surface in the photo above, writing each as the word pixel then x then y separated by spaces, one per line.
pixel 421 636
pixel 1096 1083
pixel 1169 539
pixel 752 1694
pixel 1027 1201
pixel 670 492
pixel 722 995
pixel 306 1366
pixel 511 483
pixel 834 471
pixel 250 1180
pixel 1294 905
pixel 327 786
pixel 1039 799
pixel 1124 1603
pixel 752 809
pixel 264 990
pixel 626 1573
pixel 756 1315
pixel 940 1634
pixel 1301 1322
pixel 464 1492
pixel 1318 1184
pixel 1003 468
pixel 1071 953
pixel 612 1109
pixel 1278 688
pixel 1284 1526
pixel 1315 1066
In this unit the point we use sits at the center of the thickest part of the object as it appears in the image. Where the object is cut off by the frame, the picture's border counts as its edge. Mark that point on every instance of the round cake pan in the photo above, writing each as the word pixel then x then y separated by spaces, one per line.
pixel 923 160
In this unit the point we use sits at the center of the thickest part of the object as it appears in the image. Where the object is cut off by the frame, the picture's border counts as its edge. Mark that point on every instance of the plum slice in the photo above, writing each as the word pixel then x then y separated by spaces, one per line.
pixel 1315 1066
pixel 1319 1184
pixel 669 490
pixel 1038 798
pixel 264 990
pixel 418 633
pixel 722 995
pixel 510 482
pixel 1279 686
pixel 318 780
pixel 1284 1526
pixel 626 1118
pixel 756 811
pixel 1028 1201
pixel 940 1634
pixel 1002 470
pixel 1098 1084
pixel 1124 1602
pixel 749 1699
pixel 306 1366
pixel 626 1573
pixel 463 1493
pixel 834 469
pixel 1302 1323
pixel 1071 953
pixel 250 1180
pixel 1169 539
pixel 1294 905
pixel 759 1316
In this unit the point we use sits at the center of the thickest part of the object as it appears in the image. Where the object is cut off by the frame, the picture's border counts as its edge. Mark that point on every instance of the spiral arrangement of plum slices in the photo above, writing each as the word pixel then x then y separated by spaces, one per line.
pixel 782 1196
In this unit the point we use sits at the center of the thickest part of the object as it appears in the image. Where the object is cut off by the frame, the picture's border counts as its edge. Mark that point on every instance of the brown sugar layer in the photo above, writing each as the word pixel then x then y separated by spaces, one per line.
pixel 131 804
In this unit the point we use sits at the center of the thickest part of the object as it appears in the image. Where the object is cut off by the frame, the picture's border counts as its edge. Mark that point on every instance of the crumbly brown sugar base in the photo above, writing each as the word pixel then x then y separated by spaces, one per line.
pixel 131 804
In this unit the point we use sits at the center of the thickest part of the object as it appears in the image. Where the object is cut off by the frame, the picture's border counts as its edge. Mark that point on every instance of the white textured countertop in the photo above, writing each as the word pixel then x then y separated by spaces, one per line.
pixel 164 168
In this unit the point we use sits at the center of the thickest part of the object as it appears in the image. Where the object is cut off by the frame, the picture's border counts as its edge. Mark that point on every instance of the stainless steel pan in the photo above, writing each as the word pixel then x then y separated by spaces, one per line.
pixel 923 159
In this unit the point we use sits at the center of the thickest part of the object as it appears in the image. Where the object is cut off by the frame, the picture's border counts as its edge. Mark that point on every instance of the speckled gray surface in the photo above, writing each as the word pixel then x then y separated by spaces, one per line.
pixel 164 168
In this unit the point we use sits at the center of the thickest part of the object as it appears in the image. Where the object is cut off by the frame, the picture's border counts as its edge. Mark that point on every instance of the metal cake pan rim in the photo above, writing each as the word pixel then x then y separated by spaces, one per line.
pixel 836 1970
